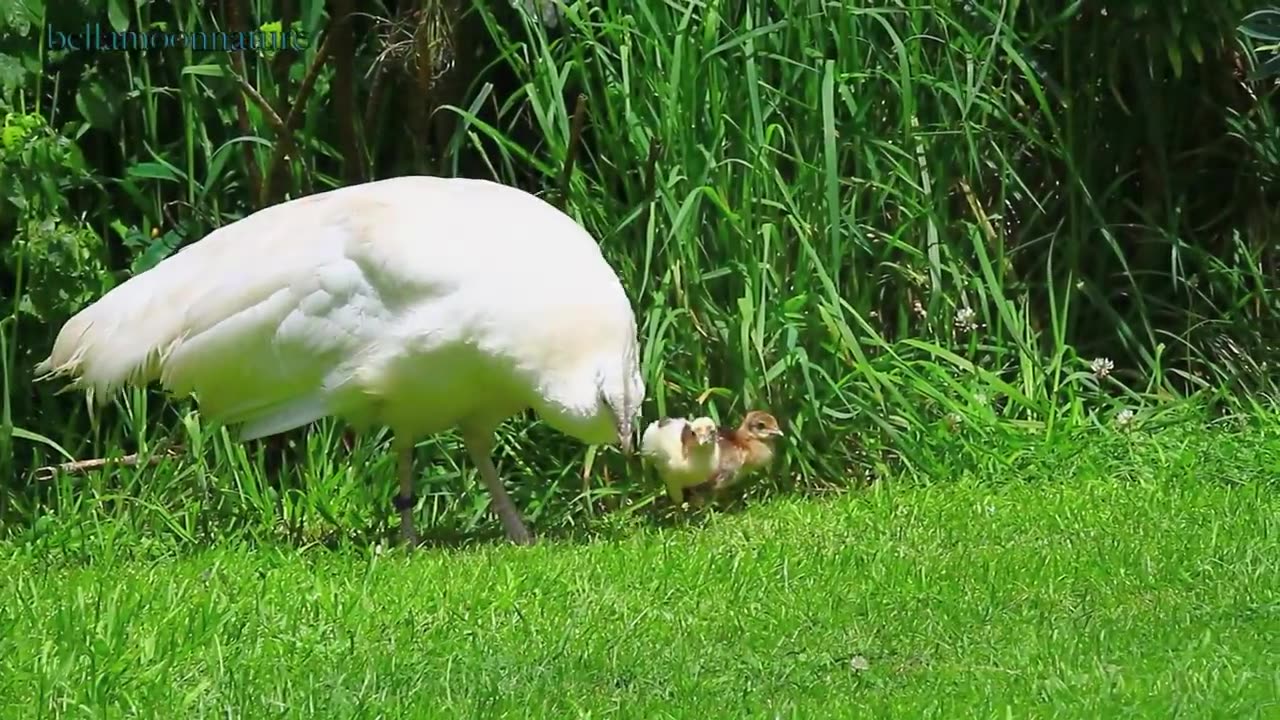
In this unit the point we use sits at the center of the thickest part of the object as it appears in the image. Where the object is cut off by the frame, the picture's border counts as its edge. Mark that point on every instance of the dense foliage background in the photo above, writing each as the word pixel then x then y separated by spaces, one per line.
pixel 901 227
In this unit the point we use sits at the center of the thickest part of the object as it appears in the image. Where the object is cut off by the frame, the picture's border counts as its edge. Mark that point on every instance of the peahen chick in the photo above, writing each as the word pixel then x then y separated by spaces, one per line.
pixel 684 452
pixel 742 451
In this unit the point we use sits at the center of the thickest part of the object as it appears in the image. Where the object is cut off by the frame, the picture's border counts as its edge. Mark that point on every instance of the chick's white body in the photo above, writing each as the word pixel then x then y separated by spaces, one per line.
pixel 685 453
pixel 419 303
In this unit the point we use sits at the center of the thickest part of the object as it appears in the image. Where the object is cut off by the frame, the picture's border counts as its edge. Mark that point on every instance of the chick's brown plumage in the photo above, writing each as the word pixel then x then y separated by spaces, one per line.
pixel 743 450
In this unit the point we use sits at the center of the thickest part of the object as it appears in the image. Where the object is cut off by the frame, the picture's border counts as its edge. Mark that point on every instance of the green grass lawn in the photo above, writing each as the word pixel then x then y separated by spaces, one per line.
pixel 1141 580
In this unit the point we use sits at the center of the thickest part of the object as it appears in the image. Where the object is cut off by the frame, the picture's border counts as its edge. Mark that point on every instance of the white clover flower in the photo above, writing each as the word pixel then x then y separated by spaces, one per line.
pixel 1101 367
pixel 1124 418
pixel 966 319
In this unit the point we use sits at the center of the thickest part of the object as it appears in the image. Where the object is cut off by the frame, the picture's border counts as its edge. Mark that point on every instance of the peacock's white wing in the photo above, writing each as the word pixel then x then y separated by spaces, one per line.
pixel 254 319
pixel 267 318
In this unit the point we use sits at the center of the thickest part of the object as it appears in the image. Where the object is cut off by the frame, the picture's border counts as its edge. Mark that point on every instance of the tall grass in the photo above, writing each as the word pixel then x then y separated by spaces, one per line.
pixel 902 228
pixel 863 217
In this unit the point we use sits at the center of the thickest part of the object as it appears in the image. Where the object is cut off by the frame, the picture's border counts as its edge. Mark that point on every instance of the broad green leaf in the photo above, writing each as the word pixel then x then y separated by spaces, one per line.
pixel 21 16
pixel 1175 58
pixel 158 250
pixel 11 73
pixel 97 104
pixel 1197 50
pixel 118 14
pixel 1268 69
pixel 205 70
pixel 151 170
pixel 37 438
pixel 74 159
pixel 1262 25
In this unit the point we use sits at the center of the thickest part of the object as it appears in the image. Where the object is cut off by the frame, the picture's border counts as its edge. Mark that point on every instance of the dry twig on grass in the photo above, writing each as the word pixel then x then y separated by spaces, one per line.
pixel 78 467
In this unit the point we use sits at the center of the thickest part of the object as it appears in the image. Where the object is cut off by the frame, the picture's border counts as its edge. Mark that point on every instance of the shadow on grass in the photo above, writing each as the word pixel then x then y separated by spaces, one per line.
pixel 110 507
pixel 653 514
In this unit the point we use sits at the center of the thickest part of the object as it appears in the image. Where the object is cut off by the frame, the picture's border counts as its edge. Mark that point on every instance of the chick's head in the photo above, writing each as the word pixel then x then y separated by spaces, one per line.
pixel 704 430
pixel 761 425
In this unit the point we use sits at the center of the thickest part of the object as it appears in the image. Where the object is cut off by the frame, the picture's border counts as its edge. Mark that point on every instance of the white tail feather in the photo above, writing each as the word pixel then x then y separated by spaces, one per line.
pixel 124 338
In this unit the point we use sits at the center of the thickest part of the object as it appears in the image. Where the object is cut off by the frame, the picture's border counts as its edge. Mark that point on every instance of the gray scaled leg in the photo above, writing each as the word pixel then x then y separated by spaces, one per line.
pixel 480 446
pixel 405 501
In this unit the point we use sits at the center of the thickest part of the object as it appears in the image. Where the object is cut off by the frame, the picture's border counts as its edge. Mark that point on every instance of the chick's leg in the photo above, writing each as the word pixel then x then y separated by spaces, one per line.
pixel 676 493
pixel 480 446
pixel 405 501
pixel 698 498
